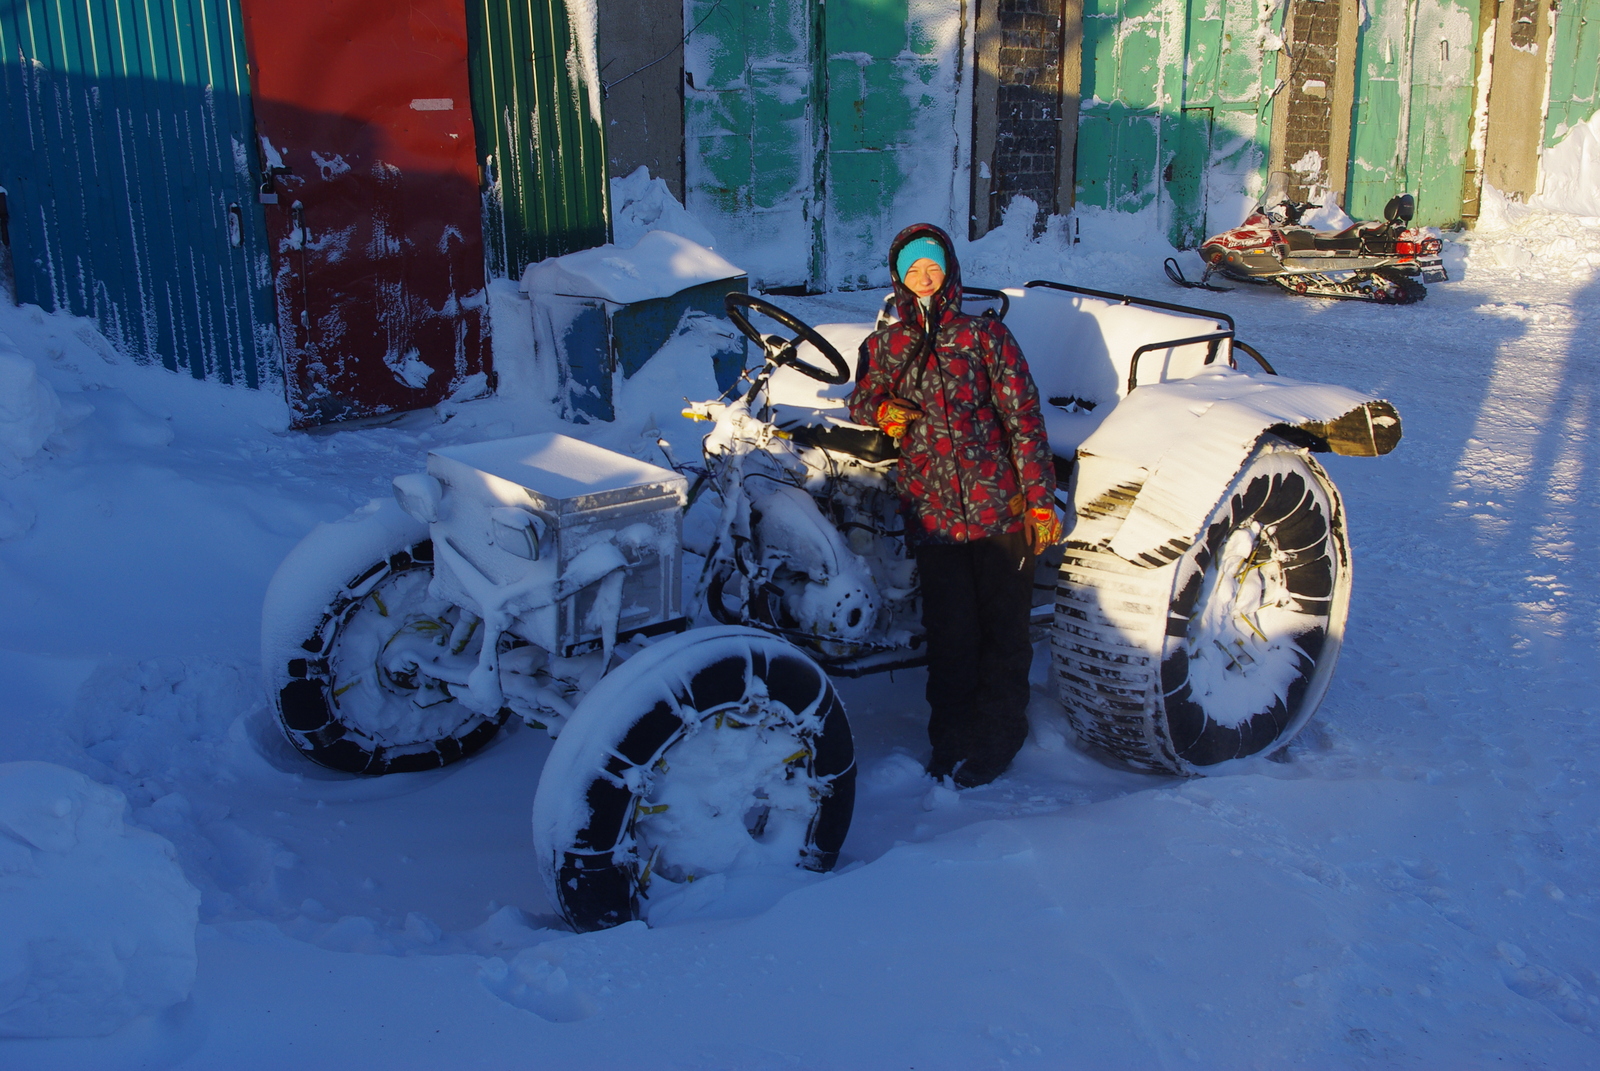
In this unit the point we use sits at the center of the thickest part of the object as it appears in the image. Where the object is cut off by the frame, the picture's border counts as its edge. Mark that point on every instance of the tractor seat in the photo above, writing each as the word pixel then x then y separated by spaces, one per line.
pixel 853 440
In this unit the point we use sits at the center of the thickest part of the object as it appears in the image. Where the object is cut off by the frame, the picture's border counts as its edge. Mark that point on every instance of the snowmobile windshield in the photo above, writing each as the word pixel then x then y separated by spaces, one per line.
pixel 1277 189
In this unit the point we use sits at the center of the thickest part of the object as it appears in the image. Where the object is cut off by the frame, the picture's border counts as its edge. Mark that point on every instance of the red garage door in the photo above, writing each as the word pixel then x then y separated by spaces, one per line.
pixel 364 118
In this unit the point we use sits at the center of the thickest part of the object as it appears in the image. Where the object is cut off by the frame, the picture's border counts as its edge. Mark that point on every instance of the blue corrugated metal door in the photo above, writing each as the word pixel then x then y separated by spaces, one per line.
pixel 126 148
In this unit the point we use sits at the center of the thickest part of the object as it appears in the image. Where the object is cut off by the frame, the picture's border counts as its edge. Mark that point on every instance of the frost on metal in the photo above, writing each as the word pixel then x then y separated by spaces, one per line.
pixel 582 17
pixel 807 150
pixel 1414 82
pixel 1176 110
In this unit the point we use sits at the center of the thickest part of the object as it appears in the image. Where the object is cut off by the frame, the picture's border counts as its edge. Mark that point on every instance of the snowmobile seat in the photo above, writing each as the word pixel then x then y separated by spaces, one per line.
pixel 1347 239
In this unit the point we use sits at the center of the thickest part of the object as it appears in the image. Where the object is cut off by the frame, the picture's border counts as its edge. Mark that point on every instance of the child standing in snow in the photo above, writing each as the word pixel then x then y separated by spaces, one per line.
pixel 978 483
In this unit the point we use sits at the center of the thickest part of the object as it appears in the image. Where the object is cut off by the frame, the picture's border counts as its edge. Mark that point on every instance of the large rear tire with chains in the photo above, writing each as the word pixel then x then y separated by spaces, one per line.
pixel 1224 653
pixel 716 750
pixel 336 612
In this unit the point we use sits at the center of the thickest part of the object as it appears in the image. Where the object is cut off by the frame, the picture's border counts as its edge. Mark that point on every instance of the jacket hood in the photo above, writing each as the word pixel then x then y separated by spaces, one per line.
pixel 948 296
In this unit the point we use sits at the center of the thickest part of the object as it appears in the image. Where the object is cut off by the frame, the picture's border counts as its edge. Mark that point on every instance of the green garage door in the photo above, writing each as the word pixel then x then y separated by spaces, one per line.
pixel 535 100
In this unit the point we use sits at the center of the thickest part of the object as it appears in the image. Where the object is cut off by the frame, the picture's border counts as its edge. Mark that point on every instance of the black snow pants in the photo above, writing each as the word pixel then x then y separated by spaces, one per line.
pixel 976 598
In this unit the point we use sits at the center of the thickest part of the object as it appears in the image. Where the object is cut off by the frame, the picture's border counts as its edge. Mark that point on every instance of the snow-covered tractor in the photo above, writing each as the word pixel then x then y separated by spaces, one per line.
pixel 1196 608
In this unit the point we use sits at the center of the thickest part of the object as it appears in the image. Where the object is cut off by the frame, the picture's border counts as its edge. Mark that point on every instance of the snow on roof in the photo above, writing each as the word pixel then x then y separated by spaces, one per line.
pixel 660 265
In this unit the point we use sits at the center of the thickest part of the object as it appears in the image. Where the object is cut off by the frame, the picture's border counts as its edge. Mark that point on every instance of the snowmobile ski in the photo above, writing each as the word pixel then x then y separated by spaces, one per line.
pixel 1175 273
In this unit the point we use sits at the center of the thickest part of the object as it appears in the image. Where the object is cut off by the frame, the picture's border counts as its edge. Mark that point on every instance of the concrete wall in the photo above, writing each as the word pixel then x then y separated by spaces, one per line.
pixel 641 67
pixel 1517 69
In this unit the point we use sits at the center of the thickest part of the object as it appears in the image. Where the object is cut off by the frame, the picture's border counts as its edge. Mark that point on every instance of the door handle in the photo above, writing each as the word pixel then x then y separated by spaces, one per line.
pixel 269 185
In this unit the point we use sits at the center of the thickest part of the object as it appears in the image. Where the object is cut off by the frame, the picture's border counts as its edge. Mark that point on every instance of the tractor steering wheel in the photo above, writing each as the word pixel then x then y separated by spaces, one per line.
pixel 782 351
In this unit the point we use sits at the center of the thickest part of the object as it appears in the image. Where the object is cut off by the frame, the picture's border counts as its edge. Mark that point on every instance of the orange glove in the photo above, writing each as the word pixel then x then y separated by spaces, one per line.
pixel 895 415
pixel 1043 528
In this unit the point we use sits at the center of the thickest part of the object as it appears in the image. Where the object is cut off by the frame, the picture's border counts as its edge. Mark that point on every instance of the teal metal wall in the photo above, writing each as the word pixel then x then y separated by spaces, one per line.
pixel 127 150
pixel 1574 69
pixel 540 141
pixel 805 124
pixel 1413 108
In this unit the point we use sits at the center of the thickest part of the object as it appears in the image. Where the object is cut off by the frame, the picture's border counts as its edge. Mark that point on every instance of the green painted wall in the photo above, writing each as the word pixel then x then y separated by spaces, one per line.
pixel 809 126
pixel 538 134
pixel 1126 89
pixel 1413 110
pixel 802 124
pixel 1217 138
pixel 1176 109
pixel 1178 106
pixel 1575 68
pixel 883 76
pixel 752 111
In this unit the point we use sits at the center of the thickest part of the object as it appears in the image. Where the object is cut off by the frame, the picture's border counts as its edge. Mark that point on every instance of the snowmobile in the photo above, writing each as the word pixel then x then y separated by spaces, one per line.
pixel 1196 607
pixel 1386 262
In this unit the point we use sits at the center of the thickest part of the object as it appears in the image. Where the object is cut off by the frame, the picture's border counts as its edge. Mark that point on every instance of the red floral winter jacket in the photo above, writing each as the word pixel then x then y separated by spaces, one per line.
pixel 978 457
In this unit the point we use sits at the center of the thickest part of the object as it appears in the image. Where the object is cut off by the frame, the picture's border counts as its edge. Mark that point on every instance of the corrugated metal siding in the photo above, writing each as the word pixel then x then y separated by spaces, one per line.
pixel 126 134
pixel 542 150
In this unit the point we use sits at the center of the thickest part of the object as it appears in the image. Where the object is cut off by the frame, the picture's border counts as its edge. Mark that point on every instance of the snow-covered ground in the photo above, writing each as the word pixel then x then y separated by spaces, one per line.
pixel 1419 886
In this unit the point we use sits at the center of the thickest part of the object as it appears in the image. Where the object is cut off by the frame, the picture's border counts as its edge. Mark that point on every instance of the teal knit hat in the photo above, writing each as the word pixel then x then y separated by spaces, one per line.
pixel 923 248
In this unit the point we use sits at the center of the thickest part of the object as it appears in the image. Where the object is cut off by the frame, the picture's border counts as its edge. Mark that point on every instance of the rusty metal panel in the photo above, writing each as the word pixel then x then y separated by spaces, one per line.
pixel 124 148
pixel 372 210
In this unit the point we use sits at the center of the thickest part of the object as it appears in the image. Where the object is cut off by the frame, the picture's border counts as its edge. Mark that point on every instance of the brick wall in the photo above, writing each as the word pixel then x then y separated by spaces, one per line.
pixel 1027 130
pixel 1314 45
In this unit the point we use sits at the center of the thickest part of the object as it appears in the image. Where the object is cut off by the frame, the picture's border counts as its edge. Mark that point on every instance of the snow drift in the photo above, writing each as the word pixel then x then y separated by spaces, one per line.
pixel 29 408
pixel 99 919
pixel 1569 172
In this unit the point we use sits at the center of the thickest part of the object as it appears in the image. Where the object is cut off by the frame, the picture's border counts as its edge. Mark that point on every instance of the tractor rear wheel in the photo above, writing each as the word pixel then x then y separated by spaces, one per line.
pixel 1224 653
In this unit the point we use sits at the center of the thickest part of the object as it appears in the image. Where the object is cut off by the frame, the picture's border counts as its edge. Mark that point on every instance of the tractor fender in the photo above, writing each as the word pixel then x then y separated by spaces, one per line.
pixel 1150 474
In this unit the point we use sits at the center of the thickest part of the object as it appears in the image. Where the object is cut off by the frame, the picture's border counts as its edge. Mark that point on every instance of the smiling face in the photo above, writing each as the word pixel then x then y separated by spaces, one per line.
pixel 924 278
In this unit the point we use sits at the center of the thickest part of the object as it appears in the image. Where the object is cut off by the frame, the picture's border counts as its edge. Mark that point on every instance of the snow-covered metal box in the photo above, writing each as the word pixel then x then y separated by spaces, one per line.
pixel 539 528
pixel 600 314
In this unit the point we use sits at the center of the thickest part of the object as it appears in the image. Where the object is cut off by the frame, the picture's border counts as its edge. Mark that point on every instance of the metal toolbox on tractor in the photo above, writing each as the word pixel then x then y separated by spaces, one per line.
pixel 537 515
